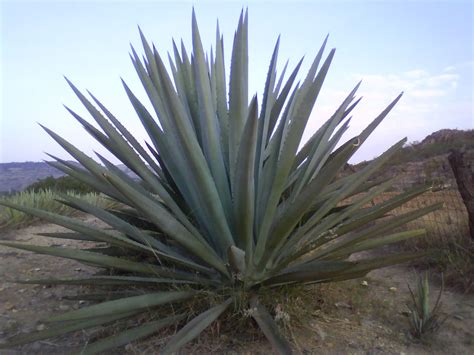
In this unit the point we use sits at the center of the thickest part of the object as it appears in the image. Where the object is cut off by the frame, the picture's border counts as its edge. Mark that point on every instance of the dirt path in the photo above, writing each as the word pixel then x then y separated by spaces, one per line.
pixel 351 317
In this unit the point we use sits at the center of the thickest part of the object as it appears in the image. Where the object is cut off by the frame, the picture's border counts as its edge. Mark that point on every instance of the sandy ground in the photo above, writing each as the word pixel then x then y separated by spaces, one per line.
pixel 351 318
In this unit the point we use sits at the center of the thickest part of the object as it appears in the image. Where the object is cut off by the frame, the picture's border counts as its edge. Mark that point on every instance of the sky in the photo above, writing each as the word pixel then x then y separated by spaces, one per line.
pixel 423 48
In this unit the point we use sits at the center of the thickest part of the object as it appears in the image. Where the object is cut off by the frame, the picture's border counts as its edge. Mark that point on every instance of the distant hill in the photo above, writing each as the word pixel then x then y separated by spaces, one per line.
pixel 15 177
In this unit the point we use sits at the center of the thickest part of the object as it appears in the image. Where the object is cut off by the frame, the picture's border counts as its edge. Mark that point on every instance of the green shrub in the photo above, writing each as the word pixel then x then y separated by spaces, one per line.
pixel 45 200
pixel 62 184
pixel 226 209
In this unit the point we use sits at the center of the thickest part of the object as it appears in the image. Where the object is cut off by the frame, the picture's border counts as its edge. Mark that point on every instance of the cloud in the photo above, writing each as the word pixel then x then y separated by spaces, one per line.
pixel 431 101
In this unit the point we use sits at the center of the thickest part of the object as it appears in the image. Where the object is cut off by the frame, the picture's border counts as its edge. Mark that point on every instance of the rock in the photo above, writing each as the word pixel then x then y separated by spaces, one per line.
pixel 8 306
pixel 364 283
pixel 40 327
pixel 393 289
pixel 64 307
pixel 342 305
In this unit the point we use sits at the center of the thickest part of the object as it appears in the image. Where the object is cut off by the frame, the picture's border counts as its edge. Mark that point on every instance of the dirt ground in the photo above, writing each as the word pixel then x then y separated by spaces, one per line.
pixel 366 316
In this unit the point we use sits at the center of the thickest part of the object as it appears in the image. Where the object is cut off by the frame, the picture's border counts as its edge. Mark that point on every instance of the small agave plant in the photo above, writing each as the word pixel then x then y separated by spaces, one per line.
pixel 425 320
pixel 225 205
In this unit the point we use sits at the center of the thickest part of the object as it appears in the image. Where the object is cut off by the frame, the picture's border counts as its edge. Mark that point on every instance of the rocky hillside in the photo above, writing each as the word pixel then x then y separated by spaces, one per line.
pixel 426 162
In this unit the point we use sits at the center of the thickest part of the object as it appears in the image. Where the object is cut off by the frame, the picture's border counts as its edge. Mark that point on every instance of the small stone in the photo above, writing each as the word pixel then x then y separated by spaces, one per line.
pixel 129 347
pixel 64 307
pixel 321 333
pixel 77 269
pixel 40 327
pixel 82 302
pixel 37 269
pixel 393 289
pixel 22 290
pixel 405 313
pixel 342 305
pixel 457 316
pixel 364 283
pixel 9 306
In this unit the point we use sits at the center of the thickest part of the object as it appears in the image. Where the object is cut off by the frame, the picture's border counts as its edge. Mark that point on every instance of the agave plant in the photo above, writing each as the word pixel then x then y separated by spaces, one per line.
pixel 423 319
pixel 227 203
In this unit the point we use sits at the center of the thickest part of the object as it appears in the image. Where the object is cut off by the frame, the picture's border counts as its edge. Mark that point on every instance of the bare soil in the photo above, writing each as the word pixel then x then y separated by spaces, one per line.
pixel 351 317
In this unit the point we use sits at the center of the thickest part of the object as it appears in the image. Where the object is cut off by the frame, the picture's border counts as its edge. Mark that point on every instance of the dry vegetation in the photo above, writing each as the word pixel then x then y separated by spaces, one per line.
pixel 359 316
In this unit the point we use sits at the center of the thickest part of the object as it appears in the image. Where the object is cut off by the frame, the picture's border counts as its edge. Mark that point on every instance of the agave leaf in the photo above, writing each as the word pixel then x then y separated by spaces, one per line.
pixel 267 175
pixel 377 211
pixel 292 214
pixel 267 104
pixel 94 168
pixel 149 244
pixel 362 267
pixel 69 235
pixel 237 260
pixel 332 220
pixel 280 101
pixel 105 281
pixel 192 329
pixel 210 203
pixel 288 149
pixel 211 139
pixel 123 305
pixel 293 211
pixel 128 156
pixel 244 185
pixel 221 96
pixel 129 335
pixel 321 147
pixel 76 225
pixel 168 143
pixel 349 186
pixel 269 327
pixel 310 271
pixel 304 152
pixel 129 137
pixel 157 214
pixel 238 92
pixel 105 261
pixel 373 125
pixel 376 242
pixel 167 147
pixel 375 230
pixel 84 176
pixel 61 329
